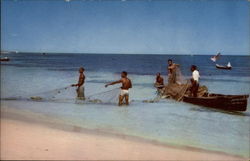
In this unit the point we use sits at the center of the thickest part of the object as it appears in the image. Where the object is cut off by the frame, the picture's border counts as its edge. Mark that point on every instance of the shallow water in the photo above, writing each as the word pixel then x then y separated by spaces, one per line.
pixel 166 121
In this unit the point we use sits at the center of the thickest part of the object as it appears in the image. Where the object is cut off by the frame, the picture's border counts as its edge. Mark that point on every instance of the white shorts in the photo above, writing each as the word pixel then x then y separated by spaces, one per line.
pixel 124 92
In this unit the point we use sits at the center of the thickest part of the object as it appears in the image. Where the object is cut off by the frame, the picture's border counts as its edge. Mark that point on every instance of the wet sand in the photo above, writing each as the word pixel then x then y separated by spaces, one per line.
pixel 32 141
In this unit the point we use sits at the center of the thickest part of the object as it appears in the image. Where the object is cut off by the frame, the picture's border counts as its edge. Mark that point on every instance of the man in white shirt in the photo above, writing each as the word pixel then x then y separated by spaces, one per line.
pixel 194 81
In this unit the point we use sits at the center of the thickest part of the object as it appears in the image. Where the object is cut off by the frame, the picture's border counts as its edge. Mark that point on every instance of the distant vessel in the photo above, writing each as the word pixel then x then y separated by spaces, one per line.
pixel 5 59
pixel 214 58
pixel 228 67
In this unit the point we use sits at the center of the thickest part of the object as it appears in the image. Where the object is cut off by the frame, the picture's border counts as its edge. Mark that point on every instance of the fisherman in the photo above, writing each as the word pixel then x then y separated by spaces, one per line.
pixel 126 84
pixel 194 81
pixel 172 71
pixel 159 82
pixel 80 84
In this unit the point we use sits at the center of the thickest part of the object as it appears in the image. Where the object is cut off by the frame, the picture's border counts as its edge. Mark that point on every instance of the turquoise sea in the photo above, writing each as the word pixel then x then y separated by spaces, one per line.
pixel 167 121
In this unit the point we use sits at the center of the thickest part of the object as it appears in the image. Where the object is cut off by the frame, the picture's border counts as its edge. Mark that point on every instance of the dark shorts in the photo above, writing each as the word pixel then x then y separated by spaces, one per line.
pixel 194 88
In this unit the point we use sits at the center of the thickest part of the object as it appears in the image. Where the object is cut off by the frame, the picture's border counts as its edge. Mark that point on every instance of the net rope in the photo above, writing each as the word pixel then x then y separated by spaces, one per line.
pixel 110 96
pixel 175 91
pixel 47 95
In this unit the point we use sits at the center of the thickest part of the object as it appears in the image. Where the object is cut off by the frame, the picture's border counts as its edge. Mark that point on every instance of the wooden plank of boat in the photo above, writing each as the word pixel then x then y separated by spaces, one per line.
pixel 219 101
pixel 229 96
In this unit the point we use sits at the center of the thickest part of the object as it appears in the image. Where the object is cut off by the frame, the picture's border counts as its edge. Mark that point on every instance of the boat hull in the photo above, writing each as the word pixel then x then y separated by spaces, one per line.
pixel 223 67
pixel 4 59
pixel 218 101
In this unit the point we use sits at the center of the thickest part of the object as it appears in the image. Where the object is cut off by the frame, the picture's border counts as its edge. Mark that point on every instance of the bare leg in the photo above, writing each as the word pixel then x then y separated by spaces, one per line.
pixel 120 100
pixel 126 99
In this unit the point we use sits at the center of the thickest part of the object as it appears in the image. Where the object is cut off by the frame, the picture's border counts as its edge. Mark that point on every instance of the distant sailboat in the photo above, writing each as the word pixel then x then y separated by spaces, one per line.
pixel 228 67
pixel 214 58
pixel 5 59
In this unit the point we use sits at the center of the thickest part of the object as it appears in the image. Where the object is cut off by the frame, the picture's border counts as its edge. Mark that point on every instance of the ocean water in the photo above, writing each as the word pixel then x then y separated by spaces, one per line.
pixel 167 121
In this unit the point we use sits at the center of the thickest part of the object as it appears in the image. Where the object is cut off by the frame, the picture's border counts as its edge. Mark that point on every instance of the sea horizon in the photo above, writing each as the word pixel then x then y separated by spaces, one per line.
pixel 122 53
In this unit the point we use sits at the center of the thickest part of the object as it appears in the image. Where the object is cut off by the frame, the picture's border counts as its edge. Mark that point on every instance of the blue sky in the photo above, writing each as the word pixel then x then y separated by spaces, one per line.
pixel 135 27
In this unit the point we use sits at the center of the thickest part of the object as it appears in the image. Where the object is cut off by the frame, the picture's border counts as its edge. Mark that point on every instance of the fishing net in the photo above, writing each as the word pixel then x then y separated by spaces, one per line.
pixel 59 94
pixel 178 87
pixel 178 91
pixel 175 91
pixel 176 76
pixel 104 97
pixel 180 79
pixel 42 96
pixel 69 94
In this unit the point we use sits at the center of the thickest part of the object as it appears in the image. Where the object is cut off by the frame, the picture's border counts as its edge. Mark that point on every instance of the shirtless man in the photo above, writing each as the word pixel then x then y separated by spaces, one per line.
pixel 80 84
pixel 126 84
pixel 172 71
pixel 159 82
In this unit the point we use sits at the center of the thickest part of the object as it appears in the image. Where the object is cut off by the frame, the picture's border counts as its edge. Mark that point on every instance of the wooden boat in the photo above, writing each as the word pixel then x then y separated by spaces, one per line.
pixel 228 67
pixel 5 59
pixel 219 101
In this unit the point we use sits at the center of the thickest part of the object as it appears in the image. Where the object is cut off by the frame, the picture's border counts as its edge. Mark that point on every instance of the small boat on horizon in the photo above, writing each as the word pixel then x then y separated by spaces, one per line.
pixel 5 59
pixel 228 67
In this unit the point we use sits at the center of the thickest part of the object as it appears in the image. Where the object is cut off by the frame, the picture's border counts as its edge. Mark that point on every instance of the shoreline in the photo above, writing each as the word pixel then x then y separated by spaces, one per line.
pixel 11 122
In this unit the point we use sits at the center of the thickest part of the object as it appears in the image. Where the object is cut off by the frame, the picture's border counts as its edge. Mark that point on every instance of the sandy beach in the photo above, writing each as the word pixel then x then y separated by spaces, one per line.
pixel 178 69
pixel 28 141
